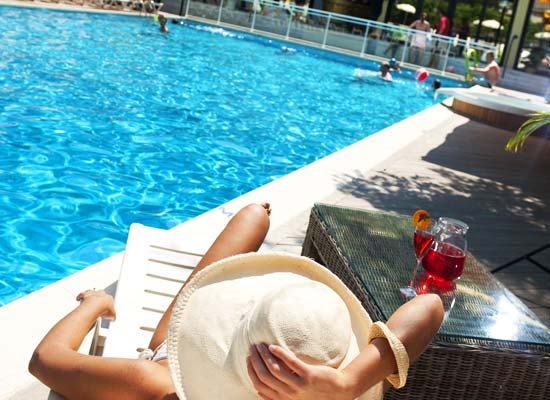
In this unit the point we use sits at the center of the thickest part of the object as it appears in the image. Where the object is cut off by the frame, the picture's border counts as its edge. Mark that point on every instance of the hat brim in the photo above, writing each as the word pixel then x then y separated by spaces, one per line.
pixel 199 338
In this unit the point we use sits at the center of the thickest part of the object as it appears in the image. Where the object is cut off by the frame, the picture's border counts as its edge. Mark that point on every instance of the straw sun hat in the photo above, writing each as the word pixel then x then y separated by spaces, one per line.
pixel 271 298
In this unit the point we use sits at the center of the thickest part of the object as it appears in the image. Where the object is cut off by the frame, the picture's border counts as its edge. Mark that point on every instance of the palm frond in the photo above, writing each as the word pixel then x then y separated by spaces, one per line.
pixel 536 121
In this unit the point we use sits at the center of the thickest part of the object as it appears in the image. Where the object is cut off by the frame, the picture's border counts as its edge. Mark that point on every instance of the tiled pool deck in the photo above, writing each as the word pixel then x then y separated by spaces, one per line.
pixel 436 160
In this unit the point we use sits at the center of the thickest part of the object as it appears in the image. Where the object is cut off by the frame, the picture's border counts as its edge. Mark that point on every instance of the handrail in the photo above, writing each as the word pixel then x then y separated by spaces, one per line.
pixel 380 33
pixel 376 24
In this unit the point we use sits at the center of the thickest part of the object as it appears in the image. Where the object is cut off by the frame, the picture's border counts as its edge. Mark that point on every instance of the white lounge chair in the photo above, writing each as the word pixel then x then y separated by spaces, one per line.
pixel 155 265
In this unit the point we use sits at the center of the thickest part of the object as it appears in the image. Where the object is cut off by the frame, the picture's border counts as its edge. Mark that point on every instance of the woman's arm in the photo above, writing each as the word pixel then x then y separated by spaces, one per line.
pixel 58 365
pixel 72 329
pixel 280 375
pixel 478 69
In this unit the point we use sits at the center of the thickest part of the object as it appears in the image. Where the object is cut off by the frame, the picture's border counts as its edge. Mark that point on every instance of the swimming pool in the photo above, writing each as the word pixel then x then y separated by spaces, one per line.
pixel 105 121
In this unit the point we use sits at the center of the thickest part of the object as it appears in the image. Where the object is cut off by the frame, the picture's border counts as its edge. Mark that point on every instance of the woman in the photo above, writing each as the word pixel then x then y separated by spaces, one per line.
pixel 57 363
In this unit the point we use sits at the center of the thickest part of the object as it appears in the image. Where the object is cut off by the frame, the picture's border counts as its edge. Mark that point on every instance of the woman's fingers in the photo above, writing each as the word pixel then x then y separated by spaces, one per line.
pixel 82 295
pixel 265 366
pixel 102 299
pixel 299 367
pixel 277 368
pixel 110 314
pixel 263 390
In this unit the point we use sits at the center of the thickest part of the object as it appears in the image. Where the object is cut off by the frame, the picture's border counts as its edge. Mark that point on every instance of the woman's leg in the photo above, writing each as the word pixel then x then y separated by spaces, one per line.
pixel 244 233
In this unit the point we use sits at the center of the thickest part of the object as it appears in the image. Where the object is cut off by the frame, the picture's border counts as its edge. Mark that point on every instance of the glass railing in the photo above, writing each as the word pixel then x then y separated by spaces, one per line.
pixel 364 38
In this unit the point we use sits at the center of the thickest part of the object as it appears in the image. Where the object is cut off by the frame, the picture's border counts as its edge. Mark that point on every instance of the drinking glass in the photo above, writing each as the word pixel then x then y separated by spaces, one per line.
pixel 424 283
pixel 422 240
pixel 446 254
pixel 443 261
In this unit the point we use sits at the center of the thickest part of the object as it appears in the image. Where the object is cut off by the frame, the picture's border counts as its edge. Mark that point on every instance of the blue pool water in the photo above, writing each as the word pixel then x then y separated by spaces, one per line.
pixel 105 121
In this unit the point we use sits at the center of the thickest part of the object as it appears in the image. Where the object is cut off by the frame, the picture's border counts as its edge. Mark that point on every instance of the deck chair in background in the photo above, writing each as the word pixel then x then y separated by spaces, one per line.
pixel 155 265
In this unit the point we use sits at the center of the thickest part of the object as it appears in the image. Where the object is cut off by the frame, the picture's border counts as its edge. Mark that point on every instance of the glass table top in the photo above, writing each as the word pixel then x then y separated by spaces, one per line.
pixel 379 250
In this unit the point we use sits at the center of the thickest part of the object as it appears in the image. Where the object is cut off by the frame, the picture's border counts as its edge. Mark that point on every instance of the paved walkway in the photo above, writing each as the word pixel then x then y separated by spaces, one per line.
pixel 459 168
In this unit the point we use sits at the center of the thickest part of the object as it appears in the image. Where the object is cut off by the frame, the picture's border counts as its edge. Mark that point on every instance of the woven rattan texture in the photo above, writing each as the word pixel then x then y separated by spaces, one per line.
pixel 490 347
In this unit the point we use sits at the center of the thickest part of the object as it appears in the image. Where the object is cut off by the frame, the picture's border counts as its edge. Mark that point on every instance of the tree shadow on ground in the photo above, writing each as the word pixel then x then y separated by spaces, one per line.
pixel 504 197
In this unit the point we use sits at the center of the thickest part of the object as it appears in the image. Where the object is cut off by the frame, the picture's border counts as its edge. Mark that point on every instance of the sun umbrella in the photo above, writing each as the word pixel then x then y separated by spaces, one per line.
pixel 542 35
pixel 488 23
pixel 408 8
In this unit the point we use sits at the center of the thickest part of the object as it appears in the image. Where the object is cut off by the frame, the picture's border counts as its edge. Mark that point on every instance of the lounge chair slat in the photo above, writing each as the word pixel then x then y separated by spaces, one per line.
pixel 162 284
pixel 168 271
pixel 155 264
pixel 154 301
pixel 161 254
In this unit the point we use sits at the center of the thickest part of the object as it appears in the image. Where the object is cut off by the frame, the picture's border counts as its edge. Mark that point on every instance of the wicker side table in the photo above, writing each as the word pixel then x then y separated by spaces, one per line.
pixel 491 346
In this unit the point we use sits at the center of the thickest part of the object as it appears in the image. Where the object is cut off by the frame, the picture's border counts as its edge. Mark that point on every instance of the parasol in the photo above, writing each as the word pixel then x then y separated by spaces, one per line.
pixel 408 8
pixel 488 23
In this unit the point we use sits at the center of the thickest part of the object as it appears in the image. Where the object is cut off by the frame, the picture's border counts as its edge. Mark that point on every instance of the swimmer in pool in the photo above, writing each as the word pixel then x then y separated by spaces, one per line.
pixel 385 72
pixel 288 50
pixel 162 22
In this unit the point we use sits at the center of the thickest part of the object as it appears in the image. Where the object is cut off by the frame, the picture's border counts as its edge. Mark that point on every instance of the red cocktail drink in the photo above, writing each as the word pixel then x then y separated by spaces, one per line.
pixel 444 261
pixel 422 241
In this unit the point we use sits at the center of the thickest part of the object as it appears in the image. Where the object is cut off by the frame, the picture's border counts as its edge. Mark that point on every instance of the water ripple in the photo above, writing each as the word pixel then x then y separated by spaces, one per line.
pixel 104 122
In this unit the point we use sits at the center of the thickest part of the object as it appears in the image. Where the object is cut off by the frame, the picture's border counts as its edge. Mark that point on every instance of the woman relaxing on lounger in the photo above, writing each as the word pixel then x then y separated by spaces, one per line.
pixel 246 326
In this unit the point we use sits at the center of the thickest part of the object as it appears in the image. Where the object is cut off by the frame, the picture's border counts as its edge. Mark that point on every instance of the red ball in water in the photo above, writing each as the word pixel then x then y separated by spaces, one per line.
pixel 421 74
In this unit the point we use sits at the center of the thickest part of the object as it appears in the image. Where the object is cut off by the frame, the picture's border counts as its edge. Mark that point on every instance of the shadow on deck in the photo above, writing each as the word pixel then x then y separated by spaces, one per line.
pixel 462 170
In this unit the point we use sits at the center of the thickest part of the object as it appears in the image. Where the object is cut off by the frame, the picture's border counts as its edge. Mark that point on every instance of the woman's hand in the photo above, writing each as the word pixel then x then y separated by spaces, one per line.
pixel 278 374
pixel 99 299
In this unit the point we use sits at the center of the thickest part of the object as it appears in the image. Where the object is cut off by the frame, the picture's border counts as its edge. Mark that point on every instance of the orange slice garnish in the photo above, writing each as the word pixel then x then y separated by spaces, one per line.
pixel 421 219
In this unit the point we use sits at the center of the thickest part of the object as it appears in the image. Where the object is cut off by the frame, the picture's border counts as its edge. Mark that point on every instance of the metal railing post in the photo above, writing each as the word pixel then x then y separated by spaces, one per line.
pixel 405 49
pixel 253 20
pixel 367 24
pixel 220 12
pixel 365 39
pixel 446 59
pixel 326 32
pixel 181 8
pixel 290 17
pixel 187 8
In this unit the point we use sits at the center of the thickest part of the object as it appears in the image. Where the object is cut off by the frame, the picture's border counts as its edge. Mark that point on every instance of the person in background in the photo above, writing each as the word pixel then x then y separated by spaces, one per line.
pixel 396 39
pixel 385 72
pixel 418 42
pixel 436 84
pixel 151 6
pixel 491 73
pixel 444 25
pixel 162 22
pixel 289 50
pixel 421 24
pixel 443 28
pixel 394 64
